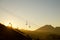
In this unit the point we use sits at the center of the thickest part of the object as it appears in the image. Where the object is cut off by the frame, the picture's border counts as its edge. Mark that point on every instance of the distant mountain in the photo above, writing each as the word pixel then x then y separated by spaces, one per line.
pixel 46 28
pixel 46 32
pixel 49 28
pixel 11 34
pixel 57 30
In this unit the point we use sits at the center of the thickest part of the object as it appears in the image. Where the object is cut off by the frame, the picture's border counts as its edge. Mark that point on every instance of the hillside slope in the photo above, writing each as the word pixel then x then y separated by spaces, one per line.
pixel 10 34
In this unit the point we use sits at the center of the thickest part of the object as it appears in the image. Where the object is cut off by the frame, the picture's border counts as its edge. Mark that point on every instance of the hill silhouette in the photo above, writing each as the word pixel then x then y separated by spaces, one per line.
pixel 49 28
pixel 11 34
pixel 57 30
pixel 46 28
pixel 46 32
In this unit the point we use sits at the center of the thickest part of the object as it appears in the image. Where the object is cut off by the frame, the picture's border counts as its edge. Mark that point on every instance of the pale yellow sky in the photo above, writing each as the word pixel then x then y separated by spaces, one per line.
pixel 36 12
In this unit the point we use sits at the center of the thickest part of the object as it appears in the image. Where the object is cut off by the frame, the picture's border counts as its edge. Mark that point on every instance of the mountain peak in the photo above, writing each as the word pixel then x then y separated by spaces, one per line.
pixel 46 28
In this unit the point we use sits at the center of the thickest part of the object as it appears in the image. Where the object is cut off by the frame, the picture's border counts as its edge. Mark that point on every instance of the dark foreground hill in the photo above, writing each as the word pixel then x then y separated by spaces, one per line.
pixel 10 34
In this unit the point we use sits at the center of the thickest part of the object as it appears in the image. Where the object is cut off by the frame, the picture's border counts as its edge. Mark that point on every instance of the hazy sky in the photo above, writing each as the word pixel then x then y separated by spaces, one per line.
pixel 38 12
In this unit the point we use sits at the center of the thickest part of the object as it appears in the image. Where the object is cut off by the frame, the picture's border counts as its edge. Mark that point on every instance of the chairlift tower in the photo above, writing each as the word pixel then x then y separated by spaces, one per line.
pixel 28 24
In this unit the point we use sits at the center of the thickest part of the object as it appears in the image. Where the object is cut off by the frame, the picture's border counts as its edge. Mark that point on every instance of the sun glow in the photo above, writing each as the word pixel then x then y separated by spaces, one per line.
pixel 14 22
pixel 14 26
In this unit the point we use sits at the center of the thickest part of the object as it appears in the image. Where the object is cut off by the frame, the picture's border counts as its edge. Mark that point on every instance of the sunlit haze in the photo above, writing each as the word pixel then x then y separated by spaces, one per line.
pixel 35 13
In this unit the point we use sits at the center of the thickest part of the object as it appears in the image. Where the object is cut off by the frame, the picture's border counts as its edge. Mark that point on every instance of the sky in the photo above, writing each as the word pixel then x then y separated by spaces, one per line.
pixel 36 12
